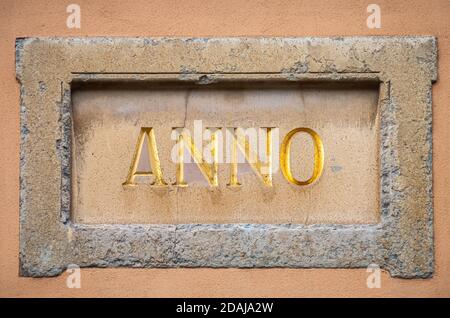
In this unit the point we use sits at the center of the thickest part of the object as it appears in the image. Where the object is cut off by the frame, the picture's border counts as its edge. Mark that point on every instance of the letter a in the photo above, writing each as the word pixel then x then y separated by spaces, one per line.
pixel 152 155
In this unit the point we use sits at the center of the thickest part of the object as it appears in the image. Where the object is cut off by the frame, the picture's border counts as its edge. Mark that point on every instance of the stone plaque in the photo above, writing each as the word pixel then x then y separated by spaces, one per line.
pixel 269 152
pixel 107 123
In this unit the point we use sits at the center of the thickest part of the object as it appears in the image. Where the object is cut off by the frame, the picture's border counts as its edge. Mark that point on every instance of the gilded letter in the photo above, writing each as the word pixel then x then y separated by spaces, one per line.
pixel 208 170
pixel 263 170
pixel 285 153
pixel 152 155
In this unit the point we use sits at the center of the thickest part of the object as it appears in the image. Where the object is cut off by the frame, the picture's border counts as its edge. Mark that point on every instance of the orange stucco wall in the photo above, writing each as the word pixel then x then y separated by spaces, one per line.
pixel 211 18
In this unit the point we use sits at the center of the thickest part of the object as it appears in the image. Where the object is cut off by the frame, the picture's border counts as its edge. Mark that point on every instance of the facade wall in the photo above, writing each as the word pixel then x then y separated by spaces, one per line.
pixel 211 19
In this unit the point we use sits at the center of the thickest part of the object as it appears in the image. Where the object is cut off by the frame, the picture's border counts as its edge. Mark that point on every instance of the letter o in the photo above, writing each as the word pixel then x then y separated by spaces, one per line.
pixel 285 156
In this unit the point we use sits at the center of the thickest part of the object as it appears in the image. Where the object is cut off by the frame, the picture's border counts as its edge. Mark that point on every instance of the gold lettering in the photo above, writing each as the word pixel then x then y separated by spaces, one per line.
pixel 153 158
pixel 285 152
pixel 239 140
pixel 208 170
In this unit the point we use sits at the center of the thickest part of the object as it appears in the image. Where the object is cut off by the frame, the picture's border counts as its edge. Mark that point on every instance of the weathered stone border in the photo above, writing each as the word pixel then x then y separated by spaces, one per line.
pixel 402 243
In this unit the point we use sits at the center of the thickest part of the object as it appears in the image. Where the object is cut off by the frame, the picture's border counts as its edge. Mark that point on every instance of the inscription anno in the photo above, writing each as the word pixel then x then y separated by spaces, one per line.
pixel 208 165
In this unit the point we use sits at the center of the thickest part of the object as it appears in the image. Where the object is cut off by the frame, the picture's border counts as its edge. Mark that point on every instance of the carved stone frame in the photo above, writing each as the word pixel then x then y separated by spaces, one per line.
pixel 402 243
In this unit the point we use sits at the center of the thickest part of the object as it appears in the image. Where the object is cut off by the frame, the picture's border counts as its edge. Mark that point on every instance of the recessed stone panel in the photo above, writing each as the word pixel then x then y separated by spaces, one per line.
pixel 107 122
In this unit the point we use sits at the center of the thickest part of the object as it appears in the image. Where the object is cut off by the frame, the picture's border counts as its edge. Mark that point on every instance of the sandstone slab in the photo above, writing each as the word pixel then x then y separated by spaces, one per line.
pixel 399 237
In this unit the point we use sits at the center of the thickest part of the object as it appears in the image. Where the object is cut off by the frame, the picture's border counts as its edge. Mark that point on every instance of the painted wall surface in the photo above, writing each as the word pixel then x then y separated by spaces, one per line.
pixel 209 19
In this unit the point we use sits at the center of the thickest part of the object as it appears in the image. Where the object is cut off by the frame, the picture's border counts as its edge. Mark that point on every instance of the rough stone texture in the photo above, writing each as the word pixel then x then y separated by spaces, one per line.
pixel 403 241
